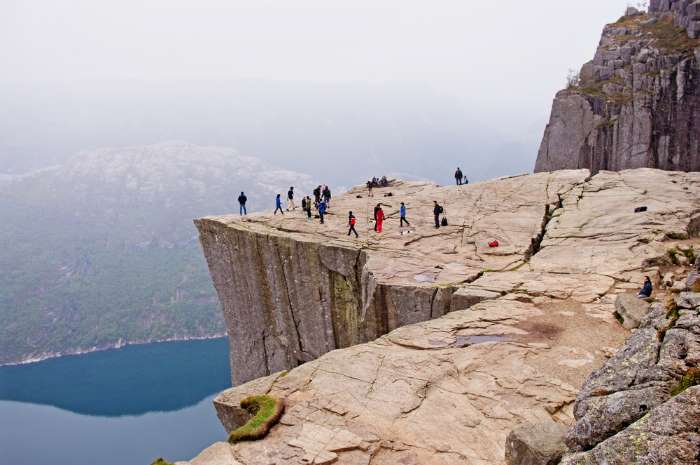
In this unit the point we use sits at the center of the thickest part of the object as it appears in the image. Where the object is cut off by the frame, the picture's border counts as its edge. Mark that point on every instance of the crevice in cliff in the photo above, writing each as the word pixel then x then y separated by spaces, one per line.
pixel 295 322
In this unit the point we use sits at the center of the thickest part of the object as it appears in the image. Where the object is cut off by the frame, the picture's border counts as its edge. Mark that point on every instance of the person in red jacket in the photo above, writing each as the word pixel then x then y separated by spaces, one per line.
pixel 351 223
pixel 380 218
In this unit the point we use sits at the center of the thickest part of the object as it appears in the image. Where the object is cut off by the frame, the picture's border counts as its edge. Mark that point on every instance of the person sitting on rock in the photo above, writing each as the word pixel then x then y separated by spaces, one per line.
pixel 351 223
pixel 646 290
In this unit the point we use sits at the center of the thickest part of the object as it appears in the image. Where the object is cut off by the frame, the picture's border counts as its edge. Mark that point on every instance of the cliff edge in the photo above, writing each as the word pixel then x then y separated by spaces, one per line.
pixel 637 103
pixel 526 325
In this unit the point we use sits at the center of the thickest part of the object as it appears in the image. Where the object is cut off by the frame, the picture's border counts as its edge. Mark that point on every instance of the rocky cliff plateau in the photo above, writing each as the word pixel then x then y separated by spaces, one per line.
pixel 637 103
pixel 447 344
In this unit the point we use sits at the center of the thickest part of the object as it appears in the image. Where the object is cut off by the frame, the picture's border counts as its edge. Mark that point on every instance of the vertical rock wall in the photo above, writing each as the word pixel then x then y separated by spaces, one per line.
pixel 637 103
pixel 287 301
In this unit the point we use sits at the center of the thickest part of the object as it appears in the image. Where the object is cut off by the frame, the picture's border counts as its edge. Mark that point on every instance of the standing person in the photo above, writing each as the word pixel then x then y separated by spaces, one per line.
pixel 380 218
pixel 290 199
pixel 376 209
pixel 317 195
pixel 437 211
pixel 278 204
pixel 351 223
pixel 369 189
pixel 402 212
pixel 458 176
pixel 303 204
pixel 308 208
pixel 322 210
pixel 242 199
pixel 327 195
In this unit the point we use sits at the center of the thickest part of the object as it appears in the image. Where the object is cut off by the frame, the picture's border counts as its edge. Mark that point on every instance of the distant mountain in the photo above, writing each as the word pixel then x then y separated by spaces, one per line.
pixel 102 251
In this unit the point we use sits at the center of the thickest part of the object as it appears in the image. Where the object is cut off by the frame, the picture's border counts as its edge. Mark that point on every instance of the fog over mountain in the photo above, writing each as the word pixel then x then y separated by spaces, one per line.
pixel 103 250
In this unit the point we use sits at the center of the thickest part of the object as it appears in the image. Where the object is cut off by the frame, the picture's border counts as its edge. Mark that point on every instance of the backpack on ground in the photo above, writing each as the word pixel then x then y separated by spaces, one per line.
pixel 444 221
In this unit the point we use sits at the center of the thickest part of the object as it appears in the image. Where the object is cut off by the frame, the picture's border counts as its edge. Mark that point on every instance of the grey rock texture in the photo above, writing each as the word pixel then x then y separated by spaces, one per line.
pixel 640 377
pixel 539 444
pixel 637 103
pixel 631 309
pixel 668 435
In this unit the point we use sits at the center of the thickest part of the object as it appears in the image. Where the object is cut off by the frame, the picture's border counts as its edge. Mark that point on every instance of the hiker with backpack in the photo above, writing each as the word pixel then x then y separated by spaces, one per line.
pixel 278 204
pixel 437 211
pixel 380 218
pixel 242 199
pixel 322 210
pixel 290 199
pixel 351 223
pixel 458 176
pixel 402 213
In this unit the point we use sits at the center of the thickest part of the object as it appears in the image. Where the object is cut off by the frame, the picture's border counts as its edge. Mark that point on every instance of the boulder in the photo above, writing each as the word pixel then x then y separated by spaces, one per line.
pixel 631 309
pixel 668 280
pixel 689 300
pixel 693 282
pixel 668 435
pixel 536 444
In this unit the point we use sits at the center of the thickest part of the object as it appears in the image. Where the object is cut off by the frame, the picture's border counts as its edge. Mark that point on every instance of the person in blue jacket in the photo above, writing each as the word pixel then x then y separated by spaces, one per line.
pixel 322 210
pixel 646 290
pixel 278 204
pixel 402 212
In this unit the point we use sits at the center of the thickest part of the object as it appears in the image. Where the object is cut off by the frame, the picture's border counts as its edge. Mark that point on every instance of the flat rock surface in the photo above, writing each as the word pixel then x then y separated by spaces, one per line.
pixel 450 389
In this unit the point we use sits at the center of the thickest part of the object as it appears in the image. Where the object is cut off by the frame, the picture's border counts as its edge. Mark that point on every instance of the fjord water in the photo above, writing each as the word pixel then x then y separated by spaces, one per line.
pixel 126 406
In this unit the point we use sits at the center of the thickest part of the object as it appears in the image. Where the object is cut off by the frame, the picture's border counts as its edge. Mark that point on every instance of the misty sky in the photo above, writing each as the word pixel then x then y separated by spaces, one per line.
pixel 500 61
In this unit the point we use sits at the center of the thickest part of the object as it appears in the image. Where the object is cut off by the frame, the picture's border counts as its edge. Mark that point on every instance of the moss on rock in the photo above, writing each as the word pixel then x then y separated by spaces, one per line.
pixel 266 412
pixel 690 379
pixel 161 461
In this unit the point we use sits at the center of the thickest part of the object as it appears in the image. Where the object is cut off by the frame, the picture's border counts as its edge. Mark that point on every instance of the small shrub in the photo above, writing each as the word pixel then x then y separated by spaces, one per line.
pixel 690 379
pixel 690 254
pixel 673 256
pixel 161 461
pixel 266 411
pixel 672 314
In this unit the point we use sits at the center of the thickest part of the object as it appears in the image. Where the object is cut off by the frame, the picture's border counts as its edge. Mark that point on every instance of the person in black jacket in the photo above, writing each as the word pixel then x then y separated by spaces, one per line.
pixel 647 289
pixel 242 199
pixel 290 199
pixel 437 211
pixel 459 176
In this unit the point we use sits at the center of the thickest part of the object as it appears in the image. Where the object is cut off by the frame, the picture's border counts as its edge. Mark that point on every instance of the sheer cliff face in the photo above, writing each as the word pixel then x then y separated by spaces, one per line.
pixel 637 103
pixel 292 290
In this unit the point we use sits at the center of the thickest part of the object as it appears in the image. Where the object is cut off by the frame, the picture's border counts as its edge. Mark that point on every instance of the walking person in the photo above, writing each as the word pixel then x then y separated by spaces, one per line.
pixel 278 204
pixel 242 199
pixel 351 223
pixel 402 213
pixel 327 195
pixel 458 176
pixel 437 211
pixel 376 209
pixel 380 218
pixel 290 199
pixel 322 210
pixel 317 195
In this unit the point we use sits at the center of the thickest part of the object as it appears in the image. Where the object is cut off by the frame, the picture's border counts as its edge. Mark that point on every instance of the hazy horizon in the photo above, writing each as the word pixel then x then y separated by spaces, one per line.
pixel 369 87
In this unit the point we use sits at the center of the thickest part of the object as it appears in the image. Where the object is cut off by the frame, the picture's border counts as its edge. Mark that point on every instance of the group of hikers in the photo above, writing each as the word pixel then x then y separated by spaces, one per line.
pixel 322 199
pixel 376 182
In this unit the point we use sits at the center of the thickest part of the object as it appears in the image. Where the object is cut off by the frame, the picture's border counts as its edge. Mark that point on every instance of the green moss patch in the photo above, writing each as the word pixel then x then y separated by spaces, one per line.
pixel 670 37
pixel 266 412
pixel 690 379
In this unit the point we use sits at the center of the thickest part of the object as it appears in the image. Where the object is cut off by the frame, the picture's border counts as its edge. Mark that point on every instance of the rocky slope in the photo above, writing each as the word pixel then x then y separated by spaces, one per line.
pixel 637 103
pixel 510 351
pixel 101 251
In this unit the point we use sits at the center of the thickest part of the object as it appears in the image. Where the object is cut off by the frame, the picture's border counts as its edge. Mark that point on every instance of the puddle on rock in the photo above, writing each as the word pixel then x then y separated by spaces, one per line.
pixel 465 341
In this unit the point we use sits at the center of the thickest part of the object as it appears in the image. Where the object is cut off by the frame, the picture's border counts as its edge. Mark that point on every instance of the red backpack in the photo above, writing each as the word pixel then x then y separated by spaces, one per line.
pixel 352 221
pixel 494 244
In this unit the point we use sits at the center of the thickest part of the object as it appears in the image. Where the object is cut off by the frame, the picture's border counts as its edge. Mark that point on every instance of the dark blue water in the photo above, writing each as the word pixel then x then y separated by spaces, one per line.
pixel 123 407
